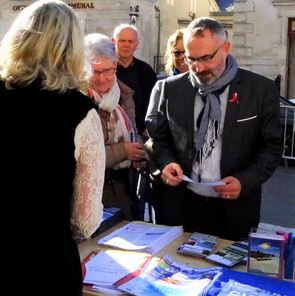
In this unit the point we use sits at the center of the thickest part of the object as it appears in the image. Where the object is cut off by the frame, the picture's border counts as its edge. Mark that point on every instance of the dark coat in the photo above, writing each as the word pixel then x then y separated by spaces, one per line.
pixel 251 149
pixel 142 81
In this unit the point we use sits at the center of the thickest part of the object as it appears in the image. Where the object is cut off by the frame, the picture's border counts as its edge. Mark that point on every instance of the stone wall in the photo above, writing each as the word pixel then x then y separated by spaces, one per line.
pixel 101 16
pixel 260 36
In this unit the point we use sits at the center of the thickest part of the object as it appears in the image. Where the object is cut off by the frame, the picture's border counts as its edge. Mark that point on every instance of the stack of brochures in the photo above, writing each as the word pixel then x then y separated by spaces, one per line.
pixel 141 236
pixel 110 217
pixel 168 277
pixel 231 255
pixel 198 244
pixel 114 272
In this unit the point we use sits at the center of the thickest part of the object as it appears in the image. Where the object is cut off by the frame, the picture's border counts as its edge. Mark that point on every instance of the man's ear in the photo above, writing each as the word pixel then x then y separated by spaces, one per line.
pixel 113 40
pixel 227 47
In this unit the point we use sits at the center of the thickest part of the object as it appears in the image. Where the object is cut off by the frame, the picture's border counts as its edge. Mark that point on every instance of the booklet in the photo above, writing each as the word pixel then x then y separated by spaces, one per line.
pixel 169 277
pixel 110 217
pixel 107 267
pixel 141 236
pixel 198 244
pixel 266 254
pixel 231 255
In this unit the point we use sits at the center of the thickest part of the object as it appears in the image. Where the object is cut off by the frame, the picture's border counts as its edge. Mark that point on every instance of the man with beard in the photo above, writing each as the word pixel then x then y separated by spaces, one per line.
pixel 215 123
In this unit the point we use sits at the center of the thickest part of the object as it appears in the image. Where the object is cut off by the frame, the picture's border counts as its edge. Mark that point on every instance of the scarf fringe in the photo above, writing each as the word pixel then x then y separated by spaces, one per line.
pixel 212 134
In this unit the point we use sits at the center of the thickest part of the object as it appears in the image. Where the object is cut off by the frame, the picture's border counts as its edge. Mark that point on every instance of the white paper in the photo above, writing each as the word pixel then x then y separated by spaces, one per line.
pixel 213 183
pixel 205 183
pixel 143 237
pixel 107 267
pixel 187 179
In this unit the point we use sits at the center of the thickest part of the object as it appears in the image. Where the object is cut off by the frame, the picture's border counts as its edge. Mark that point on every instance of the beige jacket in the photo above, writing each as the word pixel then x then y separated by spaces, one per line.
pixel 115 153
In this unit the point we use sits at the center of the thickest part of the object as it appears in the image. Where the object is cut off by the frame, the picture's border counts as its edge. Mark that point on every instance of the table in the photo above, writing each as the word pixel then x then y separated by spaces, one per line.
pixel 90 245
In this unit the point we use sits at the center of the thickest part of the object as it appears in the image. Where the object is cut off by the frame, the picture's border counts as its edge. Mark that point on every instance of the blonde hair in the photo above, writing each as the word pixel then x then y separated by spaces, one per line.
pixel 44 43
pixel 171 43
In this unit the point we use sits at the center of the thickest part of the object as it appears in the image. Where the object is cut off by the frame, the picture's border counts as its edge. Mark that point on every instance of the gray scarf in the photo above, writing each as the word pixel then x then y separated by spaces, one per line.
pixel 209 129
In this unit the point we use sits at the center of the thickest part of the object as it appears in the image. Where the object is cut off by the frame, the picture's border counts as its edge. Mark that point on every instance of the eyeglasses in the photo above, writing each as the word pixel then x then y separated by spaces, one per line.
pixel 177 53
pixel 105 73
pixel 204 59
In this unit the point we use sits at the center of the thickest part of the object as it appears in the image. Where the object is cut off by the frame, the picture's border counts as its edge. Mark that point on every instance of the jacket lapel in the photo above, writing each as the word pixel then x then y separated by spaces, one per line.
pixel 232 107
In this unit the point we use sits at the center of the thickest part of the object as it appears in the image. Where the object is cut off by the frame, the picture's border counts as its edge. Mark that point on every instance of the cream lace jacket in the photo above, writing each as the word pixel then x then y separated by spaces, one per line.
pixel 87 207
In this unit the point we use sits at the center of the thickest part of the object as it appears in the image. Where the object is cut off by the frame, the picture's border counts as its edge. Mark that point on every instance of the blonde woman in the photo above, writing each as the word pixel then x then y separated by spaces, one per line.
pixel 54 149
pixel 174 56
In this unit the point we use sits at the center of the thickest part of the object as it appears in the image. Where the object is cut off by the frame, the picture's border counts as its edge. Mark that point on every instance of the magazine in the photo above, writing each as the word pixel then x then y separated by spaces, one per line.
pixel 231 255
pixel 141 236
pixel 169 277
pixel 198 244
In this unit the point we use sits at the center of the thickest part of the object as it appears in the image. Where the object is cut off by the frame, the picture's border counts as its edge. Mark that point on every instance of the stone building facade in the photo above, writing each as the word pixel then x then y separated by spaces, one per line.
pixel 156 20
pixel 102 16
pixel 262 31
pixel 264 39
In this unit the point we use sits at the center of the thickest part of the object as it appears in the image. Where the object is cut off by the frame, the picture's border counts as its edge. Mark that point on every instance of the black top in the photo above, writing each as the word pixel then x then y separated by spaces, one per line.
pixel 39 168
pixel 141 78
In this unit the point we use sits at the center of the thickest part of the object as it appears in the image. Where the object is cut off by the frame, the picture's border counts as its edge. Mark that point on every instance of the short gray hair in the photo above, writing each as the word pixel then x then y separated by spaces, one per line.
pixel 122 27
pixel 97 44
pixel 198 25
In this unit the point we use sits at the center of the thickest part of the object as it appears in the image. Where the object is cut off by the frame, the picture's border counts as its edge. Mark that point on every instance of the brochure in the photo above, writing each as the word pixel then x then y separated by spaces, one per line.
pixel 141 236
pixel 107 267
pixel 110 217
pixel 169 277
pixel 231 255
pixel 198 244
pixel 266 254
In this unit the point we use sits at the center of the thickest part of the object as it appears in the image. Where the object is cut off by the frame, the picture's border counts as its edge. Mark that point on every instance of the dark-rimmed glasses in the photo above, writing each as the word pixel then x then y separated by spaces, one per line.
pixel 105 73
pixel 204 59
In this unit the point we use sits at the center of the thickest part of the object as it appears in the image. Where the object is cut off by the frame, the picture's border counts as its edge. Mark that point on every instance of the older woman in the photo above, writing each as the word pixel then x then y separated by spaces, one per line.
pixel 116 109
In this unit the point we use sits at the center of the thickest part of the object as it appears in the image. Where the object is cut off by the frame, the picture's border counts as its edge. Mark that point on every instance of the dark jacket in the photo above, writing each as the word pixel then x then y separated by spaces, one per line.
pixel 251 142
pixel 142 81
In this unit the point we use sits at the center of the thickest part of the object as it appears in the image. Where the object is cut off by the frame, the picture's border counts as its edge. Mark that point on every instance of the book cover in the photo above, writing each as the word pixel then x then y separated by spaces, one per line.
pixel 198 244
pixel 230 255
pixel 266 254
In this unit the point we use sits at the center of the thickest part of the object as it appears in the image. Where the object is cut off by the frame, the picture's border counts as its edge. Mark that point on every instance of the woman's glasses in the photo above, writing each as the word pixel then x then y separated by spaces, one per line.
pixel 177 53
pixel 105 73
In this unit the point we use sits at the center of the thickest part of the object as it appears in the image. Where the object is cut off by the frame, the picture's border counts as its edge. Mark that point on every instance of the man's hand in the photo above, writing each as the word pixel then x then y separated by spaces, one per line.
pixel 172 174
pixel 231 189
